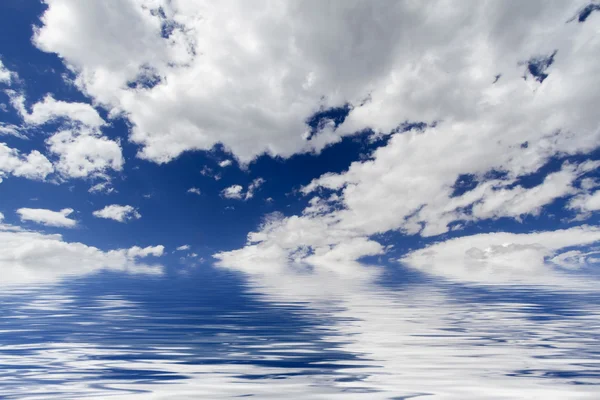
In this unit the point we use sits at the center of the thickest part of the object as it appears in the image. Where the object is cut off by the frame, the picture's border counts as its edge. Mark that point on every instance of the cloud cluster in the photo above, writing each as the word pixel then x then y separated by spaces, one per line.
pixel 77 150
pixel 467 100
pixel 81 148
pixel 191 75
pixel 118 213
pixel 498 101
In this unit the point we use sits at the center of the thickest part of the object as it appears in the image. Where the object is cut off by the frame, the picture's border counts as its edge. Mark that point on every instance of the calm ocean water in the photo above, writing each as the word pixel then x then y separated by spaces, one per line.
pixel 382 333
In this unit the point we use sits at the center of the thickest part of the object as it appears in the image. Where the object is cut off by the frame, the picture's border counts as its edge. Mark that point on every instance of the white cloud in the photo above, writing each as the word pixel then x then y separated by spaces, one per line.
pixel 194 190
pixel 141 252
pixel 5 74
pixel 32 166
pixel 118 213
pixel 257 183
pixel 236 75
pixel 102 187
pixel 586 203
pixel 233 192
pixel 504 257
pixel 225 163
pixel 11 130
pixel 48 217
pixel 83 153
pixel 183 247
pixel 236 192
pixel 32 257
pixel 81 148
pixel 518 201
pixel 50 109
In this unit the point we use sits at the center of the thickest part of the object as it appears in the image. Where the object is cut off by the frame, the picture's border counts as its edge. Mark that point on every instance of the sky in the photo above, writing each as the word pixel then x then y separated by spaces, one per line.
pixel 306 152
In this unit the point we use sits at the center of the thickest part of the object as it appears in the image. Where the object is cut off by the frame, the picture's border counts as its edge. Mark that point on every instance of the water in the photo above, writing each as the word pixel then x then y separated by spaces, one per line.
pixel 380 333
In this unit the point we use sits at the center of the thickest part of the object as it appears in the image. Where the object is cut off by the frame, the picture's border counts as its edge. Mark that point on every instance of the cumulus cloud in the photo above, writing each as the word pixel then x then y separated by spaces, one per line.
pixel 233 192
pixel 48 217
pixel 31 257
pixel 32 166
pixel 183 247
pixel 80 146
pixel 197 74
pixel 84 153
pixel 225 163
pixel 118 213
pixel 50 109
pixel 194 190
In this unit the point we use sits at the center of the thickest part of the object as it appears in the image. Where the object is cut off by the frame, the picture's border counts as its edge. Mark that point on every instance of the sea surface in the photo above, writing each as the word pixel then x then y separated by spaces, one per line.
pixel 381 333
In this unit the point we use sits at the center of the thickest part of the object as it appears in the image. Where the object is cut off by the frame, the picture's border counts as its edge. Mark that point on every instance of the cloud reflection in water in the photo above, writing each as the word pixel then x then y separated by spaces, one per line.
pixel 297 334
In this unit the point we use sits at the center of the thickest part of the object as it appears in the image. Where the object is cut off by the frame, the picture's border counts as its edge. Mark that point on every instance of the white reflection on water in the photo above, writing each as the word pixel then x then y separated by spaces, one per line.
pixel 303 335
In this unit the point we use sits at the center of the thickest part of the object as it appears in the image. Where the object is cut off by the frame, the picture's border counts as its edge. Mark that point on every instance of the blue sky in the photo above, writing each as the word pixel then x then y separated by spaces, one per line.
pixel 309 142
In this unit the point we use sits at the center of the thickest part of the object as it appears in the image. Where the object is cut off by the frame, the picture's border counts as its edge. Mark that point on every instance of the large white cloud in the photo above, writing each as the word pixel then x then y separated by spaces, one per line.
pixel 118 213
pixel 48 217
pixel 31 257
pixel 193 74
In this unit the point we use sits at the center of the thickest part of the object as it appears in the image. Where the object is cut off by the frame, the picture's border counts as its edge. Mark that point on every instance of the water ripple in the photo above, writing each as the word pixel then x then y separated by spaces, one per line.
pixel 218 335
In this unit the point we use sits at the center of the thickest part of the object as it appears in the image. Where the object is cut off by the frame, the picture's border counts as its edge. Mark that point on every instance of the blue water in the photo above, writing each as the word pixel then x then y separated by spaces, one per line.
pixel 211 333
